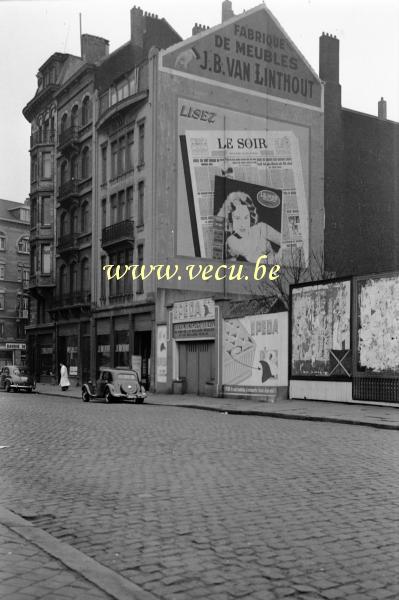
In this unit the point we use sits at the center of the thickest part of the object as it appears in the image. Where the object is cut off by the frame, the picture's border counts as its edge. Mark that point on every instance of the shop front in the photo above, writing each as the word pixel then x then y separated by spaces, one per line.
pixel 12 353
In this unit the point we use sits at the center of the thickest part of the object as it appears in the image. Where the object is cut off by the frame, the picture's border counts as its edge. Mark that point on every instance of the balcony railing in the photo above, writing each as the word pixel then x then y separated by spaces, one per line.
pixel 73 299
pixel 68 243
pixel 37 280
pixel 118 234
pixel 42 137
pixel 69 137
pixel 68 189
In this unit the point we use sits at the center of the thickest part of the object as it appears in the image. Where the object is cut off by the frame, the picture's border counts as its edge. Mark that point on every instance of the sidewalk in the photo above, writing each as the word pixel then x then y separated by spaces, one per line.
pixel 384 416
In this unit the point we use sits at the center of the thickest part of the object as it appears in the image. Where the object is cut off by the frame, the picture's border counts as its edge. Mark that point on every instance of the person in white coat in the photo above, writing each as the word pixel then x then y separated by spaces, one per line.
pixel 64 380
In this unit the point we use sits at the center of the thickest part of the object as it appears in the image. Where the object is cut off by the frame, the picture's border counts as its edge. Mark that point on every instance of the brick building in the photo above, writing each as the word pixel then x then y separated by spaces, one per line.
pixel 14 281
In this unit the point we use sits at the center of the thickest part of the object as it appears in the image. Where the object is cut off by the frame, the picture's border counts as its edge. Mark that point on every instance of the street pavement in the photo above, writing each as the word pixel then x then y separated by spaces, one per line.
pixel 187 504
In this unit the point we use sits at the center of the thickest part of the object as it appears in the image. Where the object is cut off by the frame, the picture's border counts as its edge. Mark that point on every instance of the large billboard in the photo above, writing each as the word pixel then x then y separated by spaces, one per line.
pixel 378 325
pixel 251 53
pixel 243 185
pixel 320 330
pixel 255 353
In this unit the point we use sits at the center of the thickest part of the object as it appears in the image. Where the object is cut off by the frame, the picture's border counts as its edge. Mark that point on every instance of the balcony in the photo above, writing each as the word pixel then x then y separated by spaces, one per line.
pixel 68 191
pixel 68 243
pixel 117 235
pixel 68 140
pixel 74 299
pixel 37 280
pixel 42 137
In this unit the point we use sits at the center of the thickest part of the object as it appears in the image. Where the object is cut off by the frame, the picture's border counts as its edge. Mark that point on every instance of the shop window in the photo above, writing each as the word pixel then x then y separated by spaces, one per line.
pixel 140 258
pixel 23 245
pixel 140 205
pixel 141 144
pixel 85 163
pixel 85 217
pixel 3 271
pixel 103 164
pixel 103 351
pixel 2 241
pixel 45 210
pixel 45 165
pixel 85 111
pixel 121 354
pixel 46 259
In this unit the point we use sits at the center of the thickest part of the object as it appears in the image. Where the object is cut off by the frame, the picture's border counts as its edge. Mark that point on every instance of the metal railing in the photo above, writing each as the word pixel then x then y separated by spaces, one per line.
pixel 42 137
pixel 69 188
pixel 118 232
pixel 68 136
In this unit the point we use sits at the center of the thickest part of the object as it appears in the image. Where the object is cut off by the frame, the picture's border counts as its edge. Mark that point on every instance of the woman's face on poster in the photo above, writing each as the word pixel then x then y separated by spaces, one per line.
pixel 241 220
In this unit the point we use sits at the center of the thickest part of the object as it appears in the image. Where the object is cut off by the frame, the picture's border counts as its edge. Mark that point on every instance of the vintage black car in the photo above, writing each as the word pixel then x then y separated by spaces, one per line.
pixel 115 384
pixel 15 379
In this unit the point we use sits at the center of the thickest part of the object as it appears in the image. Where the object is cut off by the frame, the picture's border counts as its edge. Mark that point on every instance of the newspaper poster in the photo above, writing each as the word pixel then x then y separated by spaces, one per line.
pixel 269 161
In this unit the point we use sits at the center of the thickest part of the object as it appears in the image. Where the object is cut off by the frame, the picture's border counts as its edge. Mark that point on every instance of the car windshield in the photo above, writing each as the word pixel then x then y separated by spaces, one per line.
pixel 127 377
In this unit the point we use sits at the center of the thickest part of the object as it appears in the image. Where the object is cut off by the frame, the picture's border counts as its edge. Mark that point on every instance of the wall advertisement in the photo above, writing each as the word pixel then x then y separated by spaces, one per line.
pixel 242 188
pixel 161 354
pixel 378 325
pixel 255 351
pixel 320 330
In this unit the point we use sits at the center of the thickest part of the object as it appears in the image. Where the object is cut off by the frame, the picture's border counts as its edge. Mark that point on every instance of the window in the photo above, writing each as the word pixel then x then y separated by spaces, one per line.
pixel 103 276
pixel 2 241
pixel 141 144
pixel 63 173
pixel 114 159
pixel 1 329
pixel 74 221
pixel 140 205
pixel 121 206
pixel 23 245
pixel 122 155
pixel 114 209
pixel 25 277
pixel 63 225
pixel 103 213
pixel 85 111
pixel 74 277
pixel 140 258
pixel 85 275
pixel 64 122
pixel 85 163
pixel 129 150
pixel 74 116
pixel 46 259
pixel 33 169
pixel 63 280
pixel 85 217
pixel 74 167
pixel 3 272
pixel 25 214
pixel 45 210
pixel 2 300
pixel 45 168
pixel 103 164
pixel 129 202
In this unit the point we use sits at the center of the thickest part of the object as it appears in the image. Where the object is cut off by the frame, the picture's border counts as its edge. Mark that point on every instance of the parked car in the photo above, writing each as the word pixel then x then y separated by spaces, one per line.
pixel 115 384
pixel 15 378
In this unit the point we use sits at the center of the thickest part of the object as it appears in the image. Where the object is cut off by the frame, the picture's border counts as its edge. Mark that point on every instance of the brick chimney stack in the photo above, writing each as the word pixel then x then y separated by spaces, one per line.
pixel 227 10
pixel 94 48
pixel 137 26
pixel 198 28
pixel 329 58
pixel 382 109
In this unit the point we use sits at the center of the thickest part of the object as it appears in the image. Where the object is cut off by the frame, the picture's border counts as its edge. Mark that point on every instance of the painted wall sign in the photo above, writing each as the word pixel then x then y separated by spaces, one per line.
pixel 194 329
pixel 15 346
pixel 162 353
pixel 321 330
pixel 202 309
pixel 251 52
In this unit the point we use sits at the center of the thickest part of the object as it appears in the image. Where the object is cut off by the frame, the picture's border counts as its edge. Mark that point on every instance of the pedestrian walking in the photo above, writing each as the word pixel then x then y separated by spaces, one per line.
pixel 64 380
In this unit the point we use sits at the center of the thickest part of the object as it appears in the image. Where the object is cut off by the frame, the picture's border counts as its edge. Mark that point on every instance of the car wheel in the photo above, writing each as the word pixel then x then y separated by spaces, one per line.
pixel 85 396
pixel 7 386
pixel 108 396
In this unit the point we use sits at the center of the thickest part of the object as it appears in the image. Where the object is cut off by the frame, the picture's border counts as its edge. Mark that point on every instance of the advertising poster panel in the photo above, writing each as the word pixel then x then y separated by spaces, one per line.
pixel 161 353
pixel 242 190
pixel 378 325
pixel 320 330
pixel 255 353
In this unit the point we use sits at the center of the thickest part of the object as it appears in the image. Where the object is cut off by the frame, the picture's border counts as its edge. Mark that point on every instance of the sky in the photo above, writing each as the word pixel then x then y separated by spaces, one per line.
pixel 32 30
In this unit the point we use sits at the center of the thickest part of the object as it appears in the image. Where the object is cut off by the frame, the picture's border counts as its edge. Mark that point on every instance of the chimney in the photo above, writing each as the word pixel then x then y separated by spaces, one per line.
pixel 382 109
pixel 94 48
pixel 137 26
pixel 198 28
pixel 329 58
pixel 227 10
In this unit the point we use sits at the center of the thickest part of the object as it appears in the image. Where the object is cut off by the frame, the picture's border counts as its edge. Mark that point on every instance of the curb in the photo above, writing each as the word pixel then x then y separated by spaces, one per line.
pixel 105 579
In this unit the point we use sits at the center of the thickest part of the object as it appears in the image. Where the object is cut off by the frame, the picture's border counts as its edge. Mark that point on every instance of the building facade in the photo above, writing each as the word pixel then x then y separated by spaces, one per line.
pixel 14 281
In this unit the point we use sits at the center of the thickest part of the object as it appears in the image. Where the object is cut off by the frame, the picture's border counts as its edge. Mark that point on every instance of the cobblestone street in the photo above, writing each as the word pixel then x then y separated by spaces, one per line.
pixel 193 504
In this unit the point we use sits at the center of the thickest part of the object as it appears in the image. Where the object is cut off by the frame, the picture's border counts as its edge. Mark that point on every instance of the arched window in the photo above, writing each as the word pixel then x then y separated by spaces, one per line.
pixel 23 245
pixel 74 277
pixel 74 221
pixel 64 122
pixel 63 174
pixel 63 224
pixel 85 111
pixel 85 275
pixel 74 116
pixel 63 280
pixel 85 163
pixel 74 167
pixel 3 239
pixel 84 217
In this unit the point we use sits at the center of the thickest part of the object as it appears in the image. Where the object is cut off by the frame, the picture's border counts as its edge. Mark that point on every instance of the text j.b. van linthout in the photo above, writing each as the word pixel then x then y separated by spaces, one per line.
pixel 230 272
